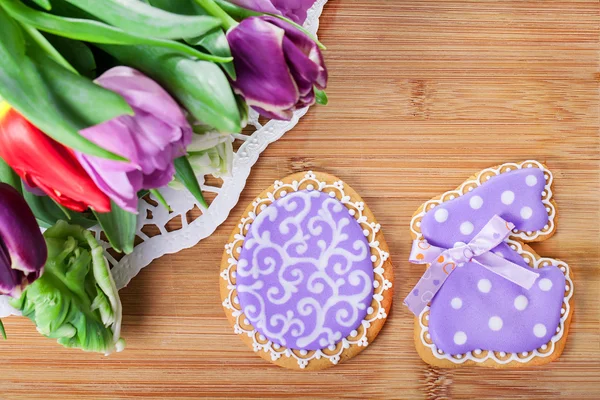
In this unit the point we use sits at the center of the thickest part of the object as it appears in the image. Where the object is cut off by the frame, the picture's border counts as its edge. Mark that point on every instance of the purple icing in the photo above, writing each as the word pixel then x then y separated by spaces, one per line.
pixel 475 308
pixel 305 275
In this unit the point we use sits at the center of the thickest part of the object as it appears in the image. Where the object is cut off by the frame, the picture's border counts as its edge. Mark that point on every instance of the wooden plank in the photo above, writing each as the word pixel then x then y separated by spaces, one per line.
pixel 422 94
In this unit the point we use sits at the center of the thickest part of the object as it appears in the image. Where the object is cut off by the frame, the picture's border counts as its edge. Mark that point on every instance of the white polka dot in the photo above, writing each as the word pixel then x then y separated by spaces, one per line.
pixel 456 303
pixel 521 302
pixel 539 330
pixel 507 197
pixel 466 228
pixel 526 212
pixel 499 254
pixel 484 285
pixel 545 284
pixel 441 215
pixel 531 180
pixel 495 323
pixel 476 202
pixel 460 338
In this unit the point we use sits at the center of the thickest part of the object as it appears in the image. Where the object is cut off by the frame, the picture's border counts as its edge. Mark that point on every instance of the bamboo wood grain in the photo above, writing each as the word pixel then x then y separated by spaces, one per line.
pixel 422 95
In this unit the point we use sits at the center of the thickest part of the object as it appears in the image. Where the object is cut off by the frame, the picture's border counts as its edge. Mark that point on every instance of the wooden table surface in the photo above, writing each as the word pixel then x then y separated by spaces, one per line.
pixel 422 95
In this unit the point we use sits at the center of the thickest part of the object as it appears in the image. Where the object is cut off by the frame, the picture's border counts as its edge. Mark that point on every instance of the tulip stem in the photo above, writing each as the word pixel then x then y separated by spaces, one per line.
pixel 47 47
pixel 213 9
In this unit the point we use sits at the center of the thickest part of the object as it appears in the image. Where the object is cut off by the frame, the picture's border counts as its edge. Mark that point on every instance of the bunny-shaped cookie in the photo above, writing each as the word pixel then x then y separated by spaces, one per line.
pixel 500 305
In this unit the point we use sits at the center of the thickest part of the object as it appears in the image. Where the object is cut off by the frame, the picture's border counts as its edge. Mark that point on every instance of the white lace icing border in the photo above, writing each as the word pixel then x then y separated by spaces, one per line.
pixel 533 260
pixel 380 283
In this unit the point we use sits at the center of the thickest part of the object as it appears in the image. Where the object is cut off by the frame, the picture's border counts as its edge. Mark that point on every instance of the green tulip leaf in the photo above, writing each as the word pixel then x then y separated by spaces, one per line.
pixel 183 7
pixel 24 88
pixel 200 86
pixel 321 97
pixel 161 199
pixel 79 96
pixel 139 18
pixel 119 227
pixel 77 53
pixel 243 108
pixel 48 213
pixel 9 176
pixel 45 4
pixel 185 174
pixel 216 43
pixel 93 31
pixel 236 11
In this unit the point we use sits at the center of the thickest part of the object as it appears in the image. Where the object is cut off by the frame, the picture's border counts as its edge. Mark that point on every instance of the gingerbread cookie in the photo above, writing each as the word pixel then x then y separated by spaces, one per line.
pixel 486 298
pixel 306 274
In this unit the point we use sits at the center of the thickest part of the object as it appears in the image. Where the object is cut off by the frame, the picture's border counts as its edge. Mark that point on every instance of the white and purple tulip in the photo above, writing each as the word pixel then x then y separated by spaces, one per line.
pixel 23 251
pixel 292 9
pixel 277 65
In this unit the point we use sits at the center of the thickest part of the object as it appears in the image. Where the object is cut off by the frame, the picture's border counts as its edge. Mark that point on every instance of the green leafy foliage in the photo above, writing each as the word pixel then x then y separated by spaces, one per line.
pixel 9 176
pixel 185 174
pixel 77 53
pixel 119 227
pixel 236 11
pixel 48 213
pixel 321 97
pixel 139 18
pixel 45 4
pixel 200 86
pixel 160 198
pixel 23 86
pixel 78 95
pixel 75 300
pixel 183 7
pixel 215 42
pixel 93 31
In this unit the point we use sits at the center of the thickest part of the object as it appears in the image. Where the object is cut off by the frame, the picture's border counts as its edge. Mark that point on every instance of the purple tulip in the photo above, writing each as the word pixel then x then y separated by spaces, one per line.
pixel 23 250
pixel 157 134
pixel 277 66
pixel 292 9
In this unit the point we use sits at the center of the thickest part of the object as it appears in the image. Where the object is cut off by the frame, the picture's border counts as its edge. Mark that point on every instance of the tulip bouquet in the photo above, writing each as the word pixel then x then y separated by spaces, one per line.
pixel 103 102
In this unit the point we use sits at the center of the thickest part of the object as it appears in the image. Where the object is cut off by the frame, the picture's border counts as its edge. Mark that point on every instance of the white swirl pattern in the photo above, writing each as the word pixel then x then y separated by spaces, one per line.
pixel 375 311
pixel 305 278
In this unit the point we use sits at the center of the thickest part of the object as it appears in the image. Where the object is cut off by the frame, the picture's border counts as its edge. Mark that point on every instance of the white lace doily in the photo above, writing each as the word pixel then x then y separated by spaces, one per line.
pixel 163 241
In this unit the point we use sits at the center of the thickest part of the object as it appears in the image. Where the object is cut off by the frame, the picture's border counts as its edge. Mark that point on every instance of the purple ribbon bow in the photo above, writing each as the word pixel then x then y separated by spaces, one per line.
pixel 478 250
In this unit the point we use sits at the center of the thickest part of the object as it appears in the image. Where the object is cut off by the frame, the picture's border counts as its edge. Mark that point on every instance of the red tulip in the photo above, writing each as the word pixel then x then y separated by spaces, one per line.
pixel 44 163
